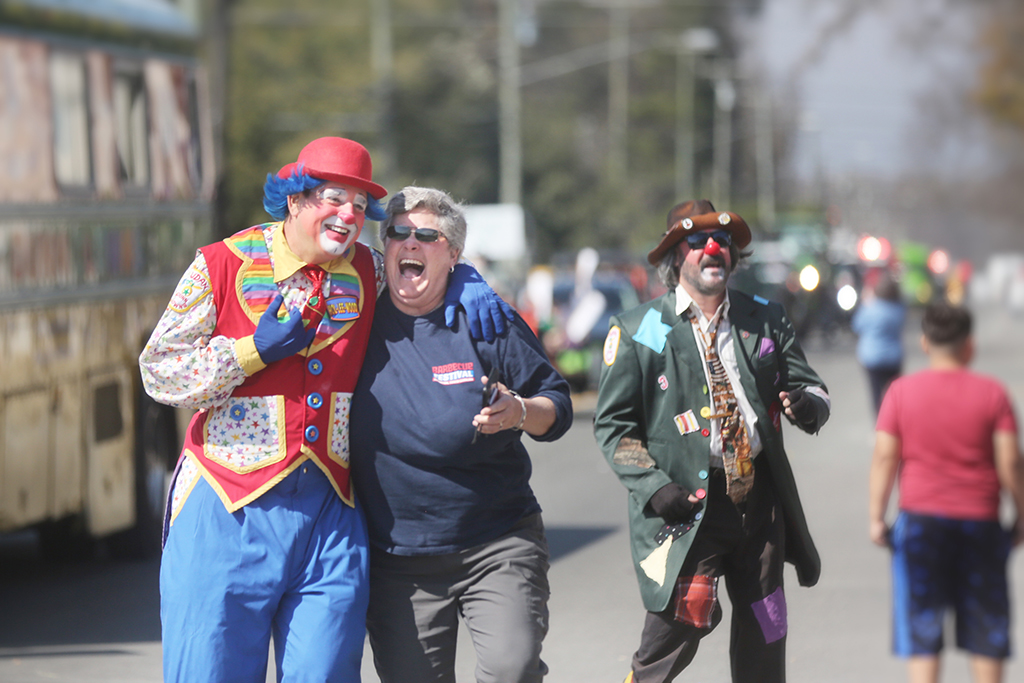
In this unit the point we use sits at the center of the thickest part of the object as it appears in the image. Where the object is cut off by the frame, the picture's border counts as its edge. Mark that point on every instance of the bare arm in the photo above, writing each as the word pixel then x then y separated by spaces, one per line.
pixel 884 464
pixel 507 411
pixel 1010 470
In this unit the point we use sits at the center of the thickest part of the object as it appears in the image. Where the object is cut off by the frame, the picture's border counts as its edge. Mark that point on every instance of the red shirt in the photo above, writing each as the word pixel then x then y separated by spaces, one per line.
pixel 945 420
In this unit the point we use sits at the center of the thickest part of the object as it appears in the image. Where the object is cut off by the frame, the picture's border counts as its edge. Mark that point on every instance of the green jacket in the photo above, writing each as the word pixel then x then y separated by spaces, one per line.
pixel 653 373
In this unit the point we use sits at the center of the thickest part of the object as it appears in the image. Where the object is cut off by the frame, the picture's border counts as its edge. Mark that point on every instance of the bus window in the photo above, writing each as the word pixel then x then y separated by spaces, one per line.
pixel 70 120
pixel 130 114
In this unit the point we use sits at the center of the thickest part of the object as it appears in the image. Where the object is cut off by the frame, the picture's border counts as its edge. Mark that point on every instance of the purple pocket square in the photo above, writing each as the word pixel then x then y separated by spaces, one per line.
pixel 767 346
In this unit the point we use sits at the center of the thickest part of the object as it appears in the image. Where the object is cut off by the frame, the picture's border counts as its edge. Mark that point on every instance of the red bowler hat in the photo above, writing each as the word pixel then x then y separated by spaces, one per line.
pixel 695 216
pixel 338 159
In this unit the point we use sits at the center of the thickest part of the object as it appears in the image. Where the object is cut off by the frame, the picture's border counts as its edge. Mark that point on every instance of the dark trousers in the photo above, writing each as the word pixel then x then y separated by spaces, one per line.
pixel 879 378
pixel 745 544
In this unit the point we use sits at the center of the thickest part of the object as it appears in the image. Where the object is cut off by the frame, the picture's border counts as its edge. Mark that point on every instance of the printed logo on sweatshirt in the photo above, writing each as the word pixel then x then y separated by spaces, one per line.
pixel 453 373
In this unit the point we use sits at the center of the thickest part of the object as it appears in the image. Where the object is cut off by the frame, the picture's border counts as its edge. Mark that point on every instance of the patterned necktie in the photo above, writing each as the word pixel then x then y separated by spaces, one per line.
pixel 739 468
pixel 316 306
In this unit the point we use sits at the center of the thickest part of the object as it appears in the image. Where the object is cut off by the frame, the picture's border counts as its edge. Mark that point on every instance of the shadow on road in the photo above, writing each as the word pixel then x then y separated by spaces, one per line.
pixel 87 602
pixel 75 602
pixel 565 540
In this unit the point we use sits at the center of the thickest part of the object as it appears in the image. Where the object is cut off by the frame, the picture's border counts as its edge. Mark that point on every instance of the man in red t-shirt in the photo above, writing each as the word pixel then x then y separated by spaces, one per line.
pixel 952 437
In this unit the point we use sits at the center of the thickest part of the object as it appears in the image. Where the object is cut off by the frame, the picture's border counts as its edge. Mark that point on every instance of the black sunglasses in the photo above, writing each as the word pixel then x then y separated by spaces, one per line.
pixel 698 239
pixel 401 232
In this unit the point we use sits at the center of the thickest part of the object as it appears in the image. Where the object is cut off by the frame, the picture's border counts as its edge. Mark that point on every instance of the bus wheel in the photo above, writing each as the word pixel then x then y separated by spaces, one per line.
pixel 156 449
pixel 65 540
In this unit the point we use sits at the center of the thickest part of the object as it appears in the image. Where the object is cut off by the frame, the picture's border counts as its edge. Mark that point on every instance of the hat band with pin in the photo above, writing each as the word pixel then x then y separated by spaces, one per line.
pixel 714 220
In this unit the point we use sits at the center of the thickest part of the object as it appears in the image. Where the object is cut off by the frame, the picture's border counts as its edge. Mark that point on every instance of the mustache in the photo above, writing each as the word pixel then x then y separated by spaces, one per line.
pixel 712 261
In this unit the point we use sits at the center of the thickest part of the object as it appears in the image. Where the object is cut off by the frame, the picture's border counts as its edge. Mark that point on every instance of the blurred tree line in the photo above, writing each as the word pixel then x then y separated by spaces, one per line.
pixel 1000 89
pixel 304 69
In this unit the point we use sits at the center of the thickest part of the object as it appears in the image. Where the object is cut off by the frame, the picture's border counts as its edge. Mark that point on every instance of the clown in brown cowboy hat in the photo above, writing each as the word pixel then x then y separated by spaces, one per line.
pixel 264 337
pixel 692 391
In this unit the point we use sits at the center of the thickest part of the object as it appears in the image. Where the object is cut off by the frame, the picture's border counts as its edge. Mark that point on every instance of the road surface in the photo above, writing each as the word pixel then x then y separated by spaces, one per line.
pixel 98 622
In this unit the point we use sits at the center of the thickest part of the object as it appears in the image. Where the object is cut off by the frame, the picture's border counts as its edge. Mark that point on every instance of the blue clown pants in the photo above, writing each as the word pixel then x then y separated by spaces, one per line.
pixel 292 564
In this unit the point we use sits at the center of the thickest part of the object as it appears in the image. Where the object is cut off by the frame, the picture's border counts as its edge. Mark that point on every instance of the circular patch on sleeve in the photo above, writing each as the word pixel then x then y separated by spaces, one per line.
pixel 611 345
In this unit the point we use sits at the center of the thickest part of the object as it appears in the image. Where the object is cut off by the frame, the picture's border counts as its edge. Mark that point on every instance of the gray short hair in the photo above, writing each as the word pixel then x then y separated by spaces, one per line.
pixel 451 220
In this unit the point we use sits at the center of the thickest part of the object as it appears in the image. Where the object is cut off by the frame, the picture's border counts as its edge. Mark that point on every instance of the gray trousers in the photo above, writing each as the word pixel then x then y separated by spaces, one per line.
pixel 499 588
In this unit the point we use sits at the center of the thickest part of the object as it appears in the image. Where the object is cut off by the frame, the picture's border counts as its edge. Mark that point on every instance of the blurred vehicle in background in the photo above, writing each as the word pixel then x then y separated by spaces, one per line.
pixel 578 339
pixel 573 306
pixel 106 191
pixel 804 269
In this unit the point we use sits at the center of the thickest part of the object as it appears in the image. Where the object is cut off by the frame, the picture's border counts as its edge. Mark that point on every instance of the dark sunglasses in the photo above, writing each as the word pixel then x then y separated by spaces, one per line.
pixel 400 233
pixel 698 239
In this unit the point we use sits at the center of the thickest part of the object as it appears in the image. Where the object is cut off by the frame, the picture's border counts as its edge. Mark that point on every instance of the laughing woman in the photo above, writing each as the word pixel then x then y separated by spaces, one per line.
pixel 441 470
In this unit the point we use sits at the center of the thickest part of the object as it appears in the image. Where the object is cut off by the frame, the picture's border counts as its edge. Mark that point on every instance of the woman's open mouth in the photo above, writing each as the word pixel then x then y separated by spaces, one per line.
pixel 410 268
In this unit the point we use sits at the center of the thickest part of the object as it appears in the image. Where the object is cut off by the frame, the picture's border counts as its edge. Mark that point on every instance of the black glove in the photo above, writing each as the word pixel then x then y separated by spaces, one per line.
pixel 805 413
pixel 672 502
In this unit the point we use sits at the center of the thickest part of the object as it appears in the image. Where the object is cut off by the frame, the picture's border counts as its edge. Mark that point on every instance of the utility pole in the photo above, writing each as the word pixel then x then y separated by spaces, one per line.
pixel 765 161
pixel 725 101
pixel 618 92
pixel 691 44
pixel 511 171
pixel 685 111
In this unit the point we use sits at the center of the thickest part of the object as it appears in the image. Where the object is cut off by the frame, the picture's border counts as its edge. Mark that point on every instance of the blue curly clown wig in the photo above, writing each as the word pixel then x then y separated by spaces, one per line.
pixel 277 190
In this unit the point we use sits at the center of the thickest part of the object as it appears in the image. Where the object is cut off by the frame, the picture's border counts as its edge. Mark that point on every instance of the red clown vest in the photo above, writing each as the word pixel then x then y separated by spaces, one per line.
pixel 296 409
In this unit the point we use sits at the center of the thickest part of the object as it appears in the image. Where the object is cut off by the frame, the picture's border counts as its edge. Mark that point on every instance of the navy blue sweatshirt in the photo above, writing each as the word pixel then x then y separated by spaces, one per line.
pixel 425 487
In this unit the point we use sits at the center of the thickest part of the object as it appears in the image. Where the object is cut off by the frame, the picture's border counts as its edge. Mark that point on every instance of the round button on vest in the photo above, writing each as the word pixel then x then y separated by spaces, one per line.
pixel 705 432
pixel 315 367
pixel 703 474
pixel 705 412
pixel 314 400
pixel 701 494
pixel 699 516
pixel 312 433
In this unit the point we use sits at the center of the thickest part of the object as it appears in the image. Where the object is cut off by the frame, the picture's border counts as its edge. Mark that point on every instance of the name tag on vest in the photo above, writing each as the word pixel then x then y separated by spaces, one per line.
pixel 343 308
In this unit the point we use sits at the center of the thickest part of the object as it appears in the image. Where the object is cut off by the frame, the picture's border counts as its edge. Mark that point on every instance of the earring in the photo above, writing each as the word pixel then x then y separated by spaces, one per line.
pixel 452 269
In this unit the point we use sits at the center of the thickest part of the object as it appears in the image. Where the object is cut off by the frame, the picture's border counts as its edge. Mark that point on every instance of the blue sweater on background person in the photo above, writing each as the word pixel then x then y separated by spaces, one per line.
pixel 878 324
pixel 879 328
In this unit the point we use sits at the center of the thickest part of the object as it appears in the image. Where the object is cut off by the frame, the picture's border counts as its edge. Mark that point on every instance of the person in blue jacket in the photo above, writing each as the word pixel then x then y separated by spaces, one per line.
pixel 878 324
pixel 441 470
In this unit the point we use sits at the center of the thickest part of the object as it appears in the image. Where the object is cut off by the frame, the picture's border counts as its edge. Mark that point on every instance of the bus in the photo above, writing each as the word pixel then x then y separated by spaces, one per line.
pixel 107 180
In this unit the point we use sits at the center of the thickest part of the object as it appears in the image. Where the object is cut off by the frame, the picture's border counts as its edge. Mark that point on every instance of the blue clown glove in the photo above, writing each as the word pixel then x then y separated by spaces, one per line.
pixel 485 310
pixel 276 339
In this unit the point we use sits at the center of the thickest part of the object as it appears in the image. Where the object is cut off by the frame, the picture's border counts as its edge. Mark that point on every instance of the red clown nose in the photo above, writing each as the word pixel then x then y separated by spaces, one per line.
pixel 713 249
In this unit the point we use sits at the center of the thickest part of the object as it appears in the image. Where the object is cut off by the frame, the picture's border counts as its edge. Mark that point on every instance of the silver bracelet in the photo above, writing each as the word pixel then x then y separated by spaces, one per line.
pixel 522 404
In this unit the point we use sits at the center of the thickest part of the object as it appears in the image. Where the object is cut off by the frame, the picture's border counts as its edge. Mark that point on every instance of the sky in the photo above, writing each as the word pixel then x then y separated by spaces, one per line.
pixel 860 101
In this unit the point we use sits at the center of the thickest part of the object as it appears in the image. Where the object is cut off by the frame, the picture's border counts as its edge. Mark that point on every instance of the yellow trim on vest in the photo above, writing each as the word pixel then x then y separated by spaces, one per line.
pixel 341 265
pixel 234 507
pixel 184 497
pixel 311 456
pixel 335 397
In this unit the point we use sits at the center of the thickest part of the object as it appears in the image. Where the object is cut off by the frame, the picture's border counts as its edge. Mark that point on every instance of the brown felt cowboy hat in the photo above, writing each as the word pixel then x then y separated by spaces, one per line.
pixel 338 159
pixel 695 216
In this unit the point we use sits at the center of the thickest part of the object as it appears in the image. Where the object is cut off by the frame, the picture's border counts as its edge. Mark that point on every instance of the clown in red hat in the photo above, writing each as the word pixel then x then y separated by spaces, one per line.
pixel 264 338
